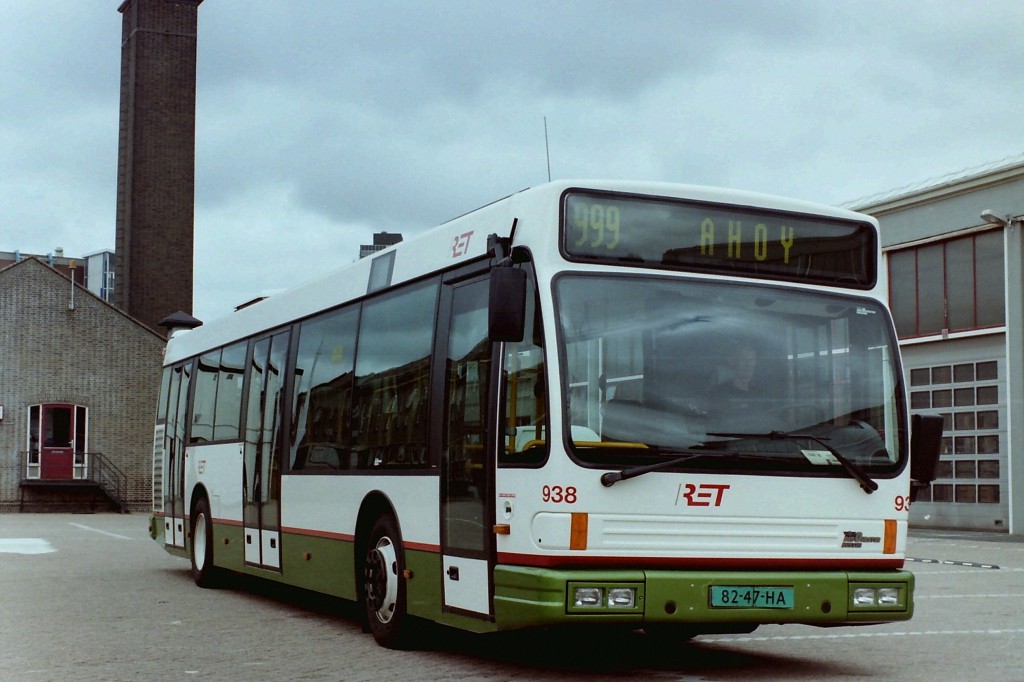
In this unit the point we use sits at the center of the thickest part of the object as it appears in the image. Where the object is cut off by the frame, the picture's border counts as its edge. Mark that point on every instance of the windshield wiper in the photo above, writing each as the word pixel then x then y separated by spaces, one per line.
pixel 612 477
pixel 866 484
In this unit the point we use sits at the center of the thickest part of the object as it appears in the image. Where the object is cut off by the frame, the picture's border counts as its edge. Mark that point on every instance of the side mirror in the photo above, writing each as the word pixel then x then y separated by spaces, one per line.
pixel 925 446
pixel 506 319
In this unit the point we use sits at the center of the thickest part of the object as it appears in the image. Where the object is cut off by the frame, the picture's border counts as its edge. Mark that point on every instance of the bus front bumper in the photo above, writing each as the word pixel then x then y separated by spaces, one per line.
pixel 531 597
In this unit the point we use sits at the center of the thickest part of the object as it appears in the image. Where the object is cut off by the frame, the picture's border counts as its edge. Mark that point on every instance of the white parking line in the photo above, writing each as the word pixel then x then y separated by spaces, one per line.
pixel 852 635
pixel 1000 573
pixel 25 546
pixel 102 532
pixel 948 562
pixel 968 596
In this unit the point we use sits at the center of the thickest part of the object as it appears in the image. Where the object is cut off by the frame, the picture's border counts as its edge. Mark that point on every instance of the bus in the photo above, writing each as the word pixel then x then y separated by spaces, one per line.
pixel 660 407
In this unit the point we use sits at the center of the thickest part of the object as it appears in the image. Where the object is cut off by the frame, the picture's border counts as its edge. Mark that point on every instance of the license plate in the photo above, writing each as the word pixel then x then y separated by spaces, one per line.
pixel 751 597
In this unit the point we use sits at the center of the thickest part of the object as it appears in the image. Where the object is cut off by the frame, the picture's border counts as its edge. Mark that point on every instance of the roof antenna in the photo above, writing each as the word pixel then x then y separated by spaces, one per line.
pixel 547 149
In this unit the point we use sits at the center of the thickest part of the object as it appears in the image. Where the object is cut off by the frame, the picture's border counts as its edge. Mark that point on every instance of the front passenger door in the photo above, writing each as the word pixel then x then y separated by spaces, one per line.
pixel 467 540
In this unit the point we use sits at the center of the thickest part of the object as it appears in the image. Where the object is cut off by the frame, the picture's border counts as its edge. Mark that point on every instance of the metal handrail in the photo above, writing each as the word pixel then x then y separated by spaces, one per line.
pixel 108 475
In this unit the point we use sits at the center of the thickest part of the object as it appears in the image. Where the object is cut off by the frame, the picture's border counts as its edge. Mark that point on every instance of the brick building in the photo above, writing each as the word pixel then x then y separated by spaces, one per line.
pixel 80 375
pixel 80 382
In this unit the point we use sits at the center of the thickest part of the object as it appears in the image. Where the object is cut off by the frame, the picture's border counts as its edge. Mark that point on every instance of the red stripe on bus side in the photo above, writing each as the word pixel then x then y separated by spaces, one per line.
pixel 345 537
pixel 348 537
pixel 743 564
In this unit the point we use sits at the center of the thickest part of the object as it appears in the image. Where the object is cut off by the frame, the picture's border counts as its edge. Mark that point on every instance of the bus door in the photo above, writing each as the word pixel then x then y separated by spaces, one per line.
pixel 174 435
pixel 467 540
pixel 261 477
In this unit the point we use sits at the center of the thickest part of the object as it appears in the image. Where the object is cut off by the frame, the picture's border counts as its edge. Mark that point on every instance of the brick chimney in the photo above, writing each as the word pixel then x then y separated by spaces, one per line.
pixel 156 159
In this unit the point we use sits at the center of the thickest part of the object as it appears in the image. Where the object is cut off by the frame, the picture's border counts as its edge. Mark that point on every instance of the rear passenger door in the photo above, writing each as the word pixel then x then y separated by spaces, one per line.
pixel 264 433
pixel 173 435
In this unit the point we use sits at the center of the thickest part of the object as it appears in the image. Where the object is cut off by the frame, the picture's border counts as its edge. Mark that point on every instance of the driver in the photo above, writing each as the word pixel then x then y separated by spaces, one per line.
pixel 742 366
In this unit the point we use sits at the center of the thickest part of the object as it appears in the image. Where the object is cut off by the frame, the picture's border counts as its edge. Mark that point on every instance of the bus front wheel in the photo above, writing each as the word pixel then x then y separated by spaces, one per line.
pixel 383 592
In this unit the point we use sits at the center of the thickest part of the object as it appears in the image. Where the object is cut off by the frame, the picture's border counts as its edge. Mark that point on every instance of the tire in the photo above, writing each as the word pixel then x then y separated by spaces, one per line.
pixel 204 573
pixel 383 588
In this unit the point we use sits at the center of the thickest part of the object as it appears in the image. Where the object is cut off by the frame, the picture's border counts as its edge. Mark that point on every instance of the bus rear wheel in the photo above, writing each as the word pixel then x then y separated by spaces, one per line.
pixel 203 571
pixel 383 589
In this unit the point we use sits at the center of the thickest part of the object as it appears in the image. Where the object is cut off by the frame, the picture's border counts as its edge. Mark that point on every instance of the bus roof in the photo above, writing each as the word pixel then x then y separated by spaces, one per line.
pixel 457 241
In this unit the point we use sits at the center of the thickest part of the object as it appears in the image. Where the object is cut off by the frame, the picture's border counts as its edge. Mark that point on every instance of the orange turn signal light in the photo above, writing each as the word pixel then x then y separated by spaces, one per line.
pixel 889 541
pixel 578 531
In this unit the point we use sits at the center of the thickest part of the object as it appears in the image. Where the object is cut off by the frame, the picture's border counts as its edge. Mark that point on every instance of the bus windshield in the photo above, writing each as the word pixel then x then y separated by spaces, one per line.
pixel 742 376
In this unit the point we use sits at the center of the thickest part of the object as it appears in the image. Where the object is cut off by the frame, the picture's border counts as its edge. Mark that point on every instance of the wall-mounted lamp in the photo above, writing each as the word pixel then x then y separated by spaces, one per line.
pixel 990 217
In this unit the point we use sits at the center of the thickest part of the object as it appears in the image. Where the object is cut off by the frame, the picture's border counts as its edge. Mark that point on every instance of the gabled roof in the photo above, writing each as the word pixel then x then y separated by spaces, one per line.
pixel 32 261
pixel 965 179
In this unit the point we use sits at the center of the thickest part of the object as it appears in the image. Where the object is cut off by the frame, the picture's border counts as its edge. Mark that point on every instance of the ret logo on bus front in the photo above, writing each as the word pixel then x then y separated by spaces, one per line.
pixel 702 495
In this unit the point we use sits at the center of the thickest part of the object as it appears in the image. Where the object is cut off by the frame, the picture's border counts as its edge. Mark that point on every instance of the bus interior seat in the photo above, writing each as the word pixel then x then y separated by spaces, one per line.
pixel 583 434
pixel 525 435
pixel 622 420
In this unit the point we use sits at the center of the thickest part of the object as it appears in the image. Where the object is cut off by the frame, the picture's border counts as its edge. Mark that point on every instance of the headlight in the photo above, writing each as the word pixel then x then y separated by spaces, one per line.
pixel 605 598
pixel 888 596
pixel 867 597
pixel 621 597
pixel 588 596
pixel 864 596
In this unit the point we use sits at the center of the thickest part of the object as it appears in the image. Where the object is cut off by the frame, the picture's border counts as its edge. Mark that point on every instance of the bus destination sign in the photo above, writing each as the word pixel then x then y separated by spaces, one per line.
pixel 716 238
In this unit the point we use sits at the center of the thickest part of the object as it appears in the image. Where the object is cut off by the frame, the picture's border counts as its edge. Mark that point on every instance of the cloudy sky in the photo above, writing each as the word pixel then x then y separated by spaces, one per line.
pixel 321 122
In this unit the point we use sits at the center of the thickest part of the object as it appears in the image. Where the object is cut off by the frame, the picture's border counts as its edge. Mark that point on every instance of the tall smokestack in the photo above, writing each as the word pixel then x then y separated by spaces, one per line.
pixel 156 159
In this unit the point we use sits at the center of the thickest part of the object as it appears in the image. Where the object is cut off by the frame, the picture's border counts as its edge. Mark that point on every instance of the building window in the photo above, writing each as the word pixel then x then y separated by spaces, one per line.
pixel 988 494
pixel 942 492
pixel 953 285
pixel 988 419
pixel 971 469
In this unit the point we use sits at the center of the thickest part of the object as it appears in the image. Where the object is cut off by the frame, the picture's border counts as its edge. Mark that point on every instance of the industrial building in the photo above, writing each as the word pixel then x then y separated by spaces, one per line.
pixel 955 262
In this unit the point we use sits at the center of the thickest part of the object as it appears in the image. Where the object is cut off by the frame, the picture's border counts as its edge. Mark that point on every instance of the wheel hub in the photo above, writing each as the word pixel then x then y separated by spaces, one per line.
pixel 381 580
pixel 376 579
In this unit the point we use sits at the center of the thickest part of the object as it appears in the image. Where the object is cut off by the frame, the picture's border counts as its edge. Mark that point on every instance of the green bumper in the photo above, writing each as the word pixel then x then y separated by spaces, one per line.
pixel 530 597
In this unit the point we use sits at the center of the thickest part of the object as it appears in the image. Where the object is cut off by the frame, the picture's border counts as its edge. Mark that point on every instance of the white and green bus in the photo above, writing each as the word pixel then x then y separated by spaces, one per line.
pixel 654 406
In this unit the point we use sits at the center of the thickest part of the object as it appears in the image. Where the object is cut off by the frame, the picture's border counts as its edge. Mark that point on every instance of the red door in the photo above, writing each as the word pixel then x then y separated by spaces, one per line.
pixel 57 452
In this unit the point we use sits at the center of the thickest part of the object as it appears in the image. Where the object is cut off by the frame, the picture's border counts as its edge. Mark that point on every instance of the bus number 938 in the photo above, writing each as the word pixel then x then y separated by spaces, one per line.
pixel 558 494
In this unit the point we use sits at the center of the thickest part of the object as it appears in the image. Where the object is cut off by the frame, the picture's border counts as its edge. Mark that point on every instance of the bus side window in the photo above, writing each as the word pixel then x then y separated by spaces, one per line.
pixel 392 372
pixel 322 399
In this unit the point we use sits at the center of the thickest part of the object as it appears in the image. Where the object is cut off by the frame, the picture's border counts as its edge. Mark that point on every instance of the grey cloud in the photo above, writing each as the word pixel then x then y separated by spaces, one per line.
pixel 332 120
